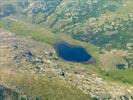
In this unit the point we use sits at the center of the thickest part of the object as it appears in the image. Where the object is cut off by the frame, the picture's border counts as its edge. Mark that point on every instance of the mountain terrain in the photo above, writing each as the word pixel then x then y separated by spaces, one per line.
pixel 30 66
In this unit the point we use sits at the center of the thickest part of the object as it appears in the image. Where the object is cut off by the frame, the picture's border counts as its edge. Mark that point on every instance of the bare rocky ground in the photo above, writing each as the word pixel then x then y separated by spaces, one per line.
pixel 19 53
pixel 6 62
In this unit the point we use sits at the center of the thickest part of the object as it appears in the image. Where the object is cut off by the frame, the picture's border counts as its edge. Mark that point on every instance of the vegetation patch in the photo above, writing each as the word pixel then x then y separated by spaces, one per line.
pixel 41 87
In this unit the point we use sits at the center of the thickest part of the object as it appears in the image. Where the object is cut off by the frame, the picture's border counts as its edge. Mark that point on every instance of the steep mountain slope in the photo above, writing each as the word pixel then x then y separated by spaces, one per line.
pixel 34 58
pixel 105 28
pixel 72 13
pixel 37 10
pixel 100 22
pixel 30 74
pixel 64 13
pixel 67 12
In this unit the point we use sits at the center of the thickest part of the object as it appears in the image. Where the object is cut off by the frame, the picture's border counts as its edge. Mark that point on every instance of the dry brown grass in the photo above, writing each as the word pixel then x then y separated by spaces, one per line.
pixel 40 86
pixel 110 59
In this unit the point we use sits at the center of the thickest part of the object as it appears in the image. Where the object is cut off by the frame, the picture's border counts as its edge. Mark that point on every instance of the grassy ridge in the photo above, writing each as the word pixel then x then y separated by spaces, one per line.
pixel 36 85
pixel 24 29
pixel 41 87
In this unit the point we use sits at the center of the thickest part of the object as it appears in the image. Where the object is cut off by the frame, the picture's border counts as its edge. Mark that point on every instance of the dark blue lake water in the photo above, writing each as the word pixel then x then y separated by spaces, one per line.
pixel 70 52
